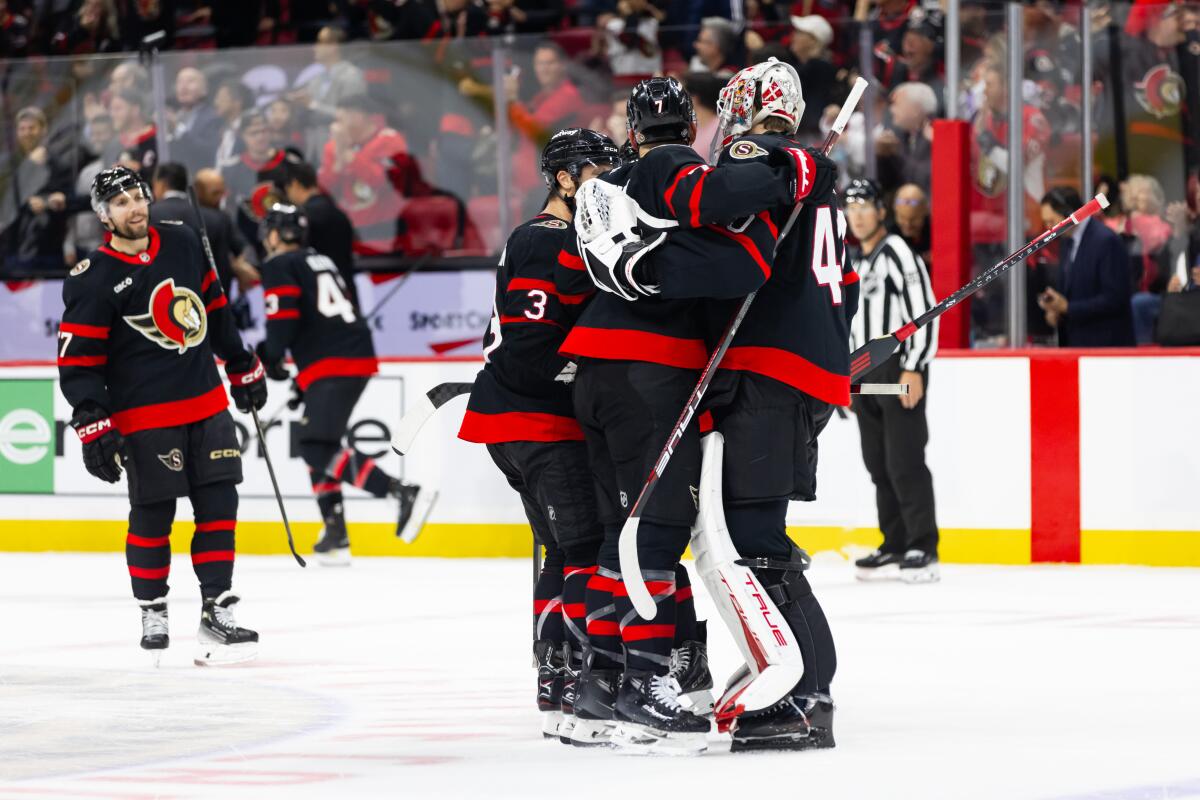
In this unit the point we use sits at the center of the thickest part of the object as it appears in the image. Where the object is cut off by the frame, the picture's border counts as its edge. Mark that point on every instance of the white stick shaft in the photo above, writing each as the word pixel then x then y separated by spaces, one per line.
pixel 843 117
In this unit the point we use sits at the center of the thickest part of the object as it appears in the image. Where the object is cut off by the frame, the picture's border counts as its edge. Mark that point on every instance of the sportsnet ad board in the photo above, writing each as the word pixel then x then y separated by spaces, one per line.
pixel 27 436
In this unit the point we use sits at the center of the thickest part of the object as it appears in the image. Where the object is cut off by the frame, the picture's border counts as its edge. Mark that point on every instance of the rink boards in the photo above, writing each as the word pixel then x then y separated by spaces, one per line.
pixel 1037 456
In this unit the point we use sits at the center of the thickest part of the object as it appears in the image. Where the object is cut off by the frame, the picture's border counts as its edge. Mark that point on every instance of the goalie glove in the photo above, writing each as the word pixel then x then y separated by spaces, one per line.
pixel 614 236
pixel 615 264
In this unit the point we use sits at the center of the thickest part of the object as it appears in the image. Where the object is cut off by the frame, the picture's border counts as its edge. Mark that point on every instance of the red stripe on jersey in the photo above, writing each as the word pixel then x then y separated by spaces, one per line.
pixel 523 320
pixel 747 244
pixel 286 290
pixel 527 284
pixel 216 525
pixel 628 345
pixel 570 261
pixel 705 421
pixel 849 277
pixel 208 280
pixel 157 573
pixel 603 627
pixel 150 252
pixel 215 555
pixel 147 541
pixel 82 361
pixel 168 415
pixel 683 173
pixel 286 313
pixel 694 200
pixel 87 331
pixel 337 368
pixel 787 367
pixel 220 302
pixel 518 426
pixel 638 633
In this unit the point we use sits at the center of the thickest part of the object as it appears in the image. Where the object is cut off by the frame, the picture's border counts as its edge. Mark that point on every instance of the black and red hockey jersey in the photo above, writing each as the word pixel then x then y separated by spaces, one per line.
pixel 138 333
pixel 310 313
pixel 797 330
pixel 253 188
pixel 709 257
pixel 522 393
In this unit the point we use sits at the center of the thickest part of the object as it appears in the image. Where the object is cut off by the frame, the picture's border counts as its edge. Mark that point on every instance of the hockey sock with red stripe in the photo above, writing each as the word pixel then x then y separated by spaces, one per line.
pixel 354 468
pixel 603 629
pixel 685 607
pixel 547 597
pixel 216 508
pixel 328 491
pixel 648 643
pixel 148 548
pixel 579 568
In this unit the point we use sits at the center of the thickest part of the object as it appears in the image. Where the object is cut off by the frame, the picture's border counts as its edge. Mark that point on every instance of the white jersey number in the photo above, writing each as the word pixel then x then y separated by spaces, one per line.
pixel 331 293
pixel 825 264
pixel 539 304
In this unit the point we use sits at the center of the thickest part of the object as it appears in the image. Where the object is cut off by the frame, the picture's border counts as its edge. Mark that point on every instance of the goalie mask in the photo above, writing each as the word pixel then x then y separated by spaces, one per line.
pixel 109 183
pixel 572 150
pixel 768 89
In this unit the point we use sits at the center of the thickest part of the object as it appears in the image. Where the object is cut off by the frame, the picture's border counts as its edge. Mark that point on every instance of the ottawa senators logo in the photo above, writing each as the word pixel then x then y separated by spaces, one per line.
pixel 172 459
pixel 743 150
pixel 1160 91
pixel 176 320
pixel 262 198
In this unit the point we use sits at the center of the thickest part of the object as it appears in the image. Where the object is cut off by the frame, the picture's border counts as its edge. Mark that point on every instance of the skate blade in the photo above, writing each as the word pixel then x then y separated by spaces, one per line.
pixel 930 574
pixel 699 702
pixel 640 740
pixel 816 740
pixel 422 506
pixel 565 730
pixel 222 655
pixel 592 733
pixel 552 722
pixel 889 573
pixel 333 558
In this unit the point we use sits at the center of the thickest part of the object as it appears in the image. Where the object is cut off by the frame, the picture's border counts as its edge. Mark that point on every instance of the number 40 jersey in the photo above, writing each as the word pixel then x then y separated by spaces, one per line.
pixel 309 312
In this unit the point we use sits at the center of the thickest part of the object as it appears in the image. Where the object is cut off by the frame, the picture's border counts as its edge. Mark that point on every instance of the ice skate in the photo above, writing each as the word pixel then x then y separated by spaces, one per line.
pixel 155 636
pixel 651 720
pixel 549 662
pixel 799 722
pixel 220 641
pixel 333 548
pixel 878 566
pixel 595 696
pixel 689 667
pixel 572 664
pixel 920 567
pixel 415 505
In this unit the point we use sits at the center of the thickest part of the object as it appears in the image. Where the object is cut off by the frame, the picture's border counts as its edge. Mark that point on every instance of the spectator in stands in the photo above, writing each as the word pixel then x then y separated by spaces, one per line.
pixel 631 39
pixel 210 188
pixel 920 54
pixel 523 16
pixel 718 49
pixel 368 172
pixel 904 151
pixel 195 126
pixel 283 127
pixel 889 21
pixel 704 89
pixel 1089 301
pixel 238 24
pixel 14 32
pixel 335 80
pixel 135 131
pixel 86 231
pixel 255 179
pixel 330 231
pixel 557 101
pixel 766 22
pixel 129 76
pixel 93 28
pixel 811 37
pixel 461 19
pixel 33 209
pixel 232 100
pixel 910 219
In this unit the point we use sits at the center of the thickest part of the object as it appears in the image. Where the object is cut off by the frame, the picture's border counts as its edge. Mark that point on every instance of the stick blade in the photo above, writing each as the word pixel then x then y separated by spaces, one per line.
pixel 631 570
pixel 871 355
pixel 411 424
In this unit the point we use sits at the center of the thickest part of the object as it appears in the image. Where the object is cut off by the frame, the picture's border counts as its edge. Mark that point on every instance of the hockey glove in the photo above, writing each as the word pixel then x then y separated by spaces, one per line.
pixel 618 268
pixel 103 445
pixel 815 174
pixel 296 398
pixel 247 383
pixel 276 370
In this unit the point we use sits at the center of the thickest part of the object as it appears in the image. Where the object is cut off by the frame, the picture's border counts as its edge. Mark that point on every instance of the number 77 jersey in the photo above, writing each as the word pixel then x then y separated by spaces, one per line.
pixel 309 312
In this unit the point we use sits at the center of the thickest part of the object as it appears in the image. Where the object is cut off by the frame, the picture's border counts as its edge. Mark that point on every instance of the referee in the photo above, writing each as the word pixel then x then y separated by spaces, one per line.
pixel 895 291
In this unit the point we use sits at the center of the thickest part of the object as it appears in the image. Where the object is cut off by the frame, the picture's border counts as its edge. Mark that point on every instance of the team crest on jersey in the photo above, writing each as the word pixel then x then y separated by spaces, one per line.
pixel 263 197
pixel 1160 91
pixel 176 319
pixel 557 224
pixel 744 150
pixel 81 267
pixel 172 459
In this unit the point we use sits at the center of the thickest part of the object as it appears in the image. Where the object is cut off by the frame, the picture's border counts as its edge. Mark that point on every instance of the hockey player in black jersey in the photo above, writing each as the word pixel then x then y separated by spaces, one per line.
pixel 638 362
pixel 520 407
pixel 143 316
pixel 311 315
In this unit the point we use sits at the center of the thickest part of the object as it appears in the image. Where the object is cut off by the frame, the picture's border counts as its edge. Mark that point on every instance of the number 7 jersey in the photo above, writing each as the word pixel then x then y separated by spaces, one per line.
pixel 309 312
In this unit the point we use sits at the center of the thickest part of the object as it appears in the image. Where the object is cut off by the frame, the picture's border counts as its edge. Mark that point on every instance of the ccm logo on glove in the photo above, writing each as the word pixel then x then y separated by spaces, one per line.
pixel 93 431
pixel 247 378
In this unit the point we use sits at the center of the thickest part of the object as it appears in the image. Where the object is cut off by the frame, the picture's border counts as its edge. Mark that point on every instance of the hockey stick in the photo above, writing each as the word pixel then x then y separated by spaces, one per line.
pixel 212 263
pixel 425 407
pixel 874 353
pixel 631 571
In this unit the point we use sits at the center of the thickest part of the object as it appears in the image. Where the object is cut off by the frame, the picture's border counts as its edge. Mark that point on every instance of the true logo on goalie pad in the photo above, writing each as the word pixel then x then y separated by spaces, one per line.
pixel 744 150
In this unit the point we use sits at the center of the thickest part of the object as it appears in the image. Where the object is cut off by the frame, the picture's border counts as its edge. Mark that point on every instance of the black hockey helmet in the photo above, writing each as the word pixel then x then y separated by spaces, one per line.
pixel 863 190
pixel 288 221
pixel 573 149
pixel 660 110
pixel 111 182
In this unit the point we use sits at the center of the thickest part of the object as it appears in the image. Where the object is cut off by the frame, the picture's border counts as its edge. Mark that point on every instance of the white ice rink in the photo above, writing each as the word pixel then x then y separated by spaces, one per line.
pixel 412 678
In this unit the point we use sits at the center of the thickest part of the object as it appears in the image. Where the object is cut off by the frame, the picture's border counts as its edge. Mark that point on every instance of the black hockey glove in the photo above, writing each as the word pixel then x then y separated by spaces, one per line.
pixel 247 383
pixel 621 268
pixel 276 370
pixel 103 445
pixel 296 398
pixel 814 175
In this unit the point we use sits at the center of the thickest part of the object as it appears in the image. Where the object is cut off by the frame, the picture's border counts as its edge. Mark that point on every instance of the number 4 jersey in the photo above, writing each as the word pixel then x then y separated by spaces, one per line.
pixel 309 312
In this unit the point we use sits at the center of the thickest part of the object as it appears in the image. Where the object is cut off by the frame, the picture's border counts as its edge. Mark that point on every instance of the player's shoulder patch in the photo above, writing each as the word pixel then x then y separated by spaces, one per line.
pixel 745 150
pixel 81 267
pixel 169 222
pixel 556 224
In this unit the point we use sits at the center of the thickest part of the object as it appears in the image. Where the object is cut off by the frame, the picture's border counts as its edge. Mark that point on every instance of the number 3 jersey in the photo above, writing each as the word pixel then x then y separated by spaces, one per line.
pixel 309 312
pixel 139 331
pixel 523 392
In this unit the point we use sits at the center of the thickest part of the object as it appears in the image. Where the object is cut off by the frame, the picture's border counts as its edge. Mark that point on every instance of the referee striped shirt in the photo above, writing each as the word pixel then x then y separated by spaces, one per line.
pixel 895 291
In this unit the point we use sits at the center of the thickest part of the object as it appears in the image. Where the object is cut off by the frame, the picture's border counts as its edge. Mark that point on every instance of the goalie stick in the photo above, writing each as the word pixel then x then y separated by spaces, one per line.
pixel 877 351
pixel 422 411
pixel 631 571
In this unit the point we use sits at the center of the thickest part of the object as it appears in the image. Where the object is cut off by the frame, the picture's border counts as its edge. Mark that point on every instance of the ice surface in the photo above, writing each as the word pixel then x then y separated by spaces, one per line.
pixel 412 678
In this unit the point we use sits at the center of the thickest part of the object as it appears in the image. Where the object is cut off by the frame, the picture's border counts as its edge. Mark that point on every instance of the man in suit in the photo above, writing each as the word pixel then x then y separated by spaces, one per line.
pixel 1090 303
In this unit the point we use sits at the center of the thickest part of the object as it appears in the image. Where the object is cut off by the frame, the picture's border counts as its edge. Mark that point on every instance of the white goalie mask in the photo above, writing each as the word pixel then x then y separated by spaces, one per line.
pixel 768 89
